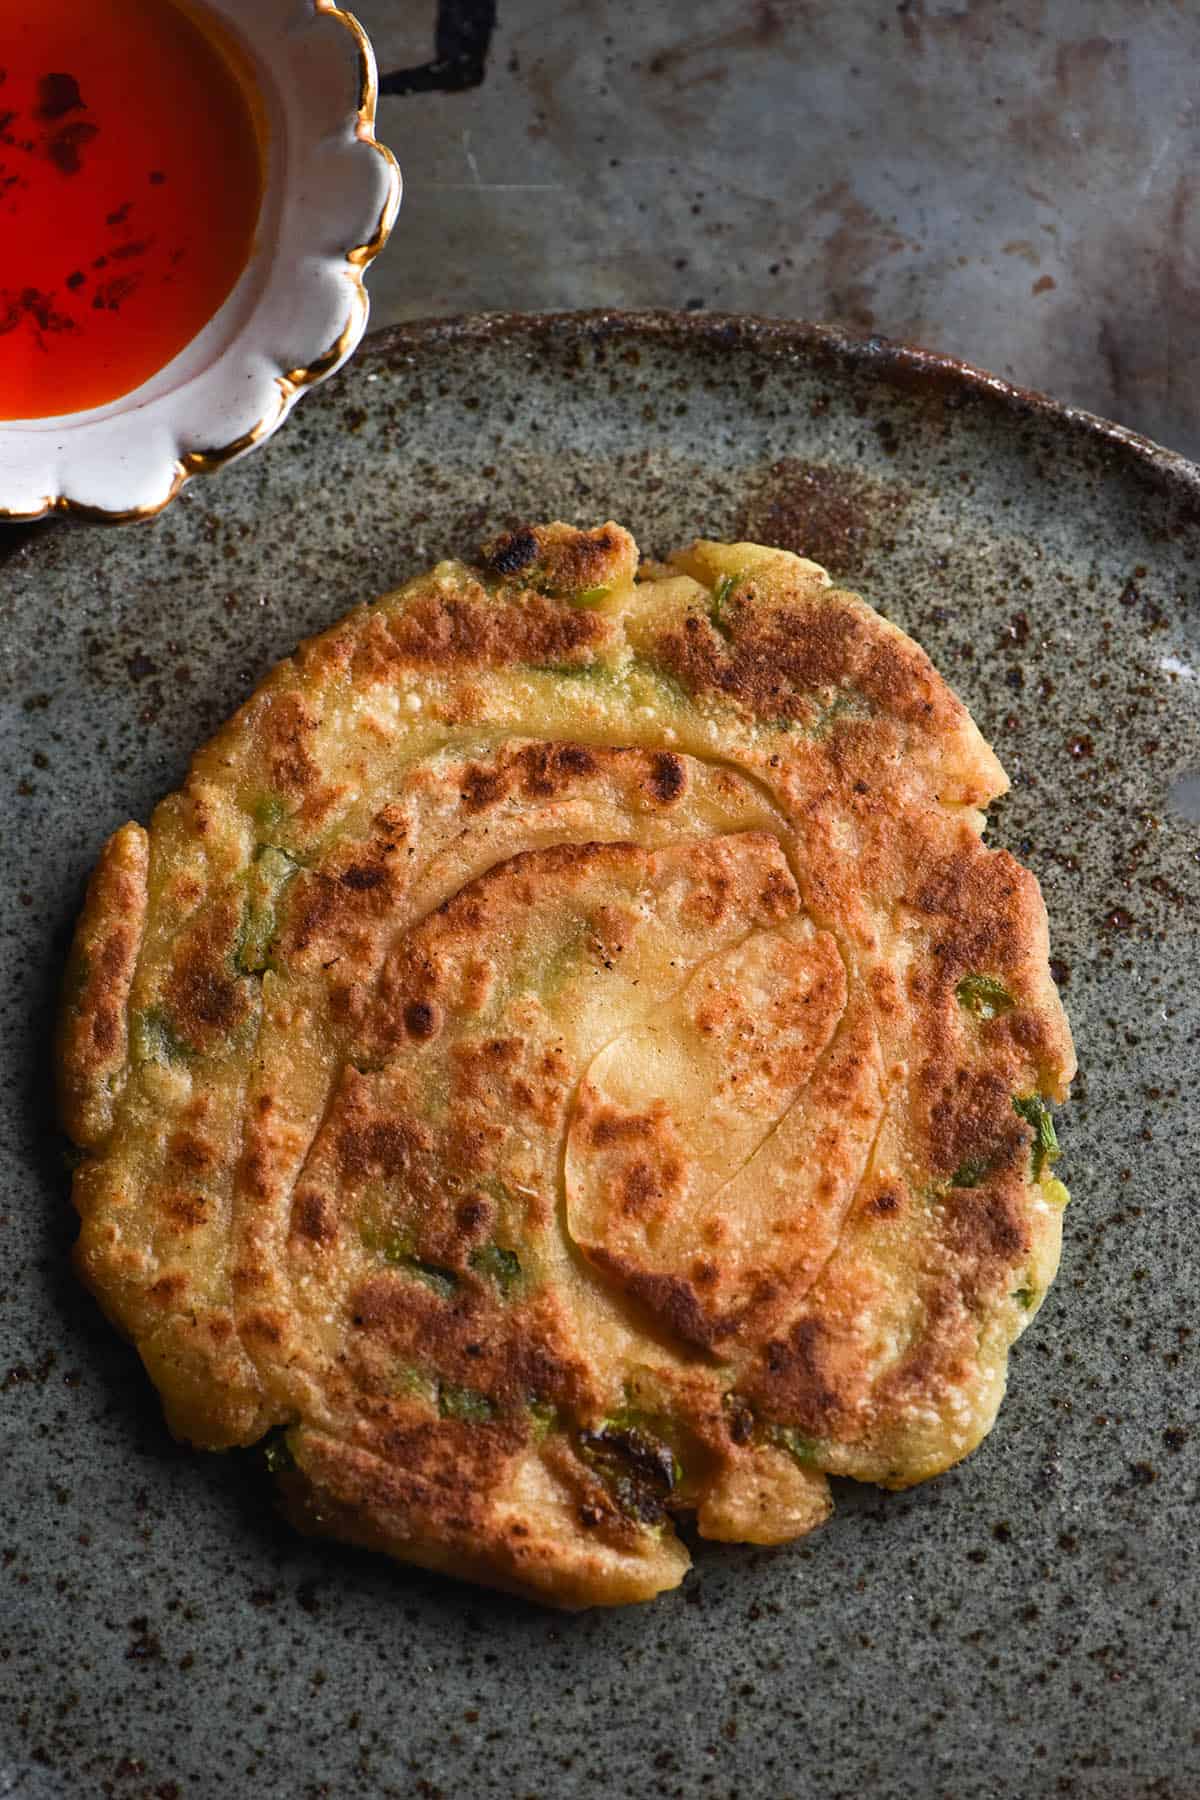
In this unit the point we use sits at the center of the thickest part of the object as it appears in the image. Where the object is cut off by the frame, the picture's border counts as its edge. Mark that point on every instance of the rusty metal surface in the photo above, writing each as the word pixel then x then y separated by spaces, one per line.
pixel 1023 1625
pixel 1016 183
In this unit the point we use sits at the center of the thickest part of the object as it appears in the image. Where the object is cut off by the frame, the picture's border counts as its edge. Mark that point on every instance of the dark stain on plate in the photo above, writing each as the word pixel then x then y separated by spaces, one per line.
pixel 1029 1619
pixel 838 516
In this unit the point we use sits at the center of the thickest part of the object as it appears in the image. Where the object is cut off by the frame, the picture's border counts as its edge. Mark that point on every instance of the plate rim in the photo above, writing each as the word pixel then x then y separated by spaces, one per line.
pixel 903 364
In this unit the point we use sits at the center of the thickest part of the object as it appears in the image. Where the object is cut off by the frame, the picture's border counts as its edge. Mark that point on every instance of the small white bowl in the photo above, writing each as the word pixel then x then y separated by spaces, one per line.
pixel 330 199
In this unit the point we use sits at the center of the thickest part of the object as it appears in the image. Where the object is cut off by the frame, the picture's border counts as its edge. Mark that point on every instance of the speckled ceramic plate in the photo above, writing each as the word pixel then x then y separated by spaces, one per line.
pixel 1028 1622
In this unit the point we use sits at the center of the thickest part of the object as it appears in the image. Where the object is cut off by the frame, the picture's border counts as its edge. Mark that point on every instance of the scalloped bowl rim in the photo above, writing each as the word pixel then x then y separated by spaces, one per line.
pixel 296 313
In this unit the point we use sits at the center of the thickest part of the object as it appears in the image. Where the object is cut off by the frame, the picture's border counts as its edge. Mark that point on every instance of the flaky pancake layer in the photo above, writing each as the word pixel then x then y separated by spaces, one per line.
pixel 566 1058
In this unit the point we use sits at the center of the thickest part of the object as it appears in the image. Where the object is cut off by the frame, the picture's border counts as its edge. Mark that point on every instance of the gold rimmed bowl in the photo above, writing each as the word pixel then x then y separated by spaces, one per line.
pixel 330 196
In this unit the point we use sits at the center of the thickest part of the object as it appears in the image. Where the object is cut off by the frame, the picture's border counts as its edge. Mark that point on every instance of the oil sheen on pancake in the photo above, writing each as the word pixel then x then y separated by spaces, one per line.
pixel 566 1059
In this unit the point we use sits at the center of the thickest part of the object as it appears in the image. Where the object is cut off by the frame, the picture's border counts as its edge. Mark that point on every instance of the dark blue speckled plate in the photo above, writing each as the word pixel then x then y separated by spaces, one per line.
pixel 1026 1623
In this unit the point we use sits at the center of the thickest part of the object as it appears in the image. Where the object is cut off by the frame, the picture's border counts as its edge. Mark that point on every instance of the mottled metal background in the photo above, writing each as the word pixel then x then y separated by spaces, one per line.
pixel 1017 183
pixel 1024 1625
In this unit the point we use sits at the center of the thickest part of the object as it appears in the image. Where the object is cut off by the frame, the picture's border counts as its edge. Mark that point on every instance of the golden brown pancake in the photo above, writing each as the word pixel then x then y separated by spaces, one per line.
pixel 566 1058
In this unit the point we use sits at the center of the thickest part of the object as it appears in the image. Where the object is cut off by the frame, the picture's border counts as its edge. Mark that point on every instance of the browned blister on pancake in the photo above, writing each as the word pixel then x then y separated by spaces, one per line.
pixel 566 1059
